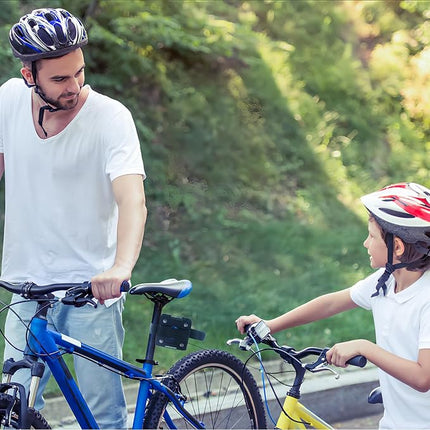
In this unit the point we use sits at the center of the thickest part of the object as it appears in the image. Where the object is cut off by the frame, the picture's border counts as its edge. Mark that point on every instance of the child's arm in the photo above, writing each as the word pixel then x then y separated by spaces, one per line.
pixel 415 374
pixel 317 309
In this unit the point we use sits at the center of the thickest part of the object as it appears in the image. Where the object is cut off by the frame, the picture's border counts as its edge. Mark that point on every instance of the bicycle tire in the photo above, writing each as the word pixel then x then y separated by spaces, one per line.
pixel 37 421
pixel 209 379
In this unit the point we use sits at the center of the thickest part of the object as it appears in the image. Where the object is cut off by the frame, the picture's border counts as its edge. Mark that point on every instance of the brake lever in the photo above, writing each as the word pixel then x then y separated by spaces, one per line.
pixel 325 367
pixel 78 297
pixel 85 301
pixel 244 344
pixel 78 301
pixel 321 365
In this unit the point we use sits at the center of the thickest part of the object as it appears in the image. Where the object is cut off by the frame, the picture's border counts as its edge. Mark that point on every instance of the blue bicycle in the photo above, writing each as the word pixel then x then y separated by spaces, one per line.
pixel 205 389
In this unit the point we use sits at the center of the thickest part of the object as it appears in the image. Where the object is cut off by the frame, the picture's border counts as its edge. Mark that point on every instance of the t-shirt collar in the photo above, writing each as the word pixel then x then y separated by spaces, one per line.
pixel 410 292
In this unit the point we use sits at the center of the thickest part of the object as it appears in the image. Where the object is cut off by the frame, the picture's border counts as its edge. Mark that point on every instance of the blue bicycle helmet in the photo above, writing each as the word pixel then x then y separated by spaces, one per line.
pixel 46 33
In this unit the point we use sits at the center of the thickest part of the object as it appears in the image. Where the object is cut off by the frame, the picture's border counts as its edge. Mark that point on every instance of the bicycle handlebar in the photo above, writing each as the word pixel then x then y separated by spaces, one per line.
pixel 74 290
pixel 260 333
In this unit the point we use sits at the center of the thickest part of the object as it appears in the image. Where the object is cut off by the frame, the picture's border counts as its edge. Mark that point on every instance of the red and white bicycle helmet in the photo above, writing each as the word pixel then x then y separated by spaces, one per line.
pixel 403 209
pixel 46 33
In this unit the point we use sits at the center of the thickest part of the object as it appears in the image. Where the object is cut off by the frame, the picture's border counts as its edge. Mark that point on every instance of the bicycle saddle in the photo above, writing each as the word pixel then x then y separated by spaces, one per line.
pixel 170 287
pixel 375 396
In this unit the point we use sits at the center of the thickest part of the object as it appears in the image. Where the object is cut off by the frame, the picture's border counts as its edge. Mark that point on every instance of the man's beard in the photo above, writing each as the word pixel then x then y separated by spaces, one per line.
pixel 57 103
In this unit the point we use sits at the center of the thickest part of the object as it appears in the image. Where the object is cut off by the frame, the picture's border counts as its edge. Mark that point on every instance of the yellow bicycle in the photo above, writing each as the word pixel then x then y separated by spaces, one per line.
pixel 293 415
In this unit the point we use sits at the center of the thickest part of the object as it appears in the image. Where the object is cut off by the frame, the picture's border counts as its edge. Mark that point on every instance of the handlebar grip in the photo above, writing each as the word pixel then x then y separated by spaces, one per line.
pixel 125 286
pixel 358 360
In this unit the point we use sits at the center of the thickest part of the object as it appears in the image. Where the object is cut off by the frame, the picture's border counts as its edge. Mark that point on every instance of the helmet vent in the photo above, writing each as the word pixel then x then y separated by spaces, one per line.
pixel 49 17
pixel 18 32
pixel 45 36
pixel 60 34
pixel 396 213
pixel 72 29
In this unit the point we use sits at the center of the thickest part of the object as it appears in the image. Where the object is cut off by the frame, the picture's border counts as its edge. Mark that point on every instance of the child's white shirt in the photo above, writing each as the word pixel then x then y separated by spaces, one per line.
pixel 402 326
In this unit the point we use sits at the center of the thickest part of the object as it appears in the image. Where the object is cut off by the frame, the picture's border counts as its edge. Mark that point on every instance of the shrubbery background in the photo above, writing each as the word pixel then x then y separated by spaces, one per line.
pixel 262 123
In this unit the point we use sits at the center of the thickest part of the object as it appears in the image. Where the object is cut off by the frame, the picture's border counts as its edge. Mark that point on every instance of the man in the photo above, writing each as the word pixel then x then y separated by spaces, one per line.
pixel 75 204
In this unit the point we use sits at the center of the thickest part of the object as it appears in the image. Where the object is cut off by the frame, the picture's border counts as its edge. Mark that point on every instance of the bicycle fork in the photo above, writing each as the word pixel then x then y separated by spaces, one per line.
pixel 10 366
pixel 17 392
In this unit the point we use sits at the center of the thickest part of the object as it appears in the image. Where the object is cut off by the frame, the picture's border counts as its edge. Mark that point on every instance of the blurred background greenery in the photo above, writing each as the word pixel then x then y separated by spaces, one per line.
pixel 261 125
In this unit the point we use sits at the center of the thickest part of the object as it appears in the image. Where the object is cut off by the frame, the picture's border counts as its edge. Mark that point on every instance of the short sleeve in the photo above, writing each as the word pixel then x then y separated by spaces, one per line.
pixel 2 92
pixel 125 156
pixel 363 290
pixel 424 335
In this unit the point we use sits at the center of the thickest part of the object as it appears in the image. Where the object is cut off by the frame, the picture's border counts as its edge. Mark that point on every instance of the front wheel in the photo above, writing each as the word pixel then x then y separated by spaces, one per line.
pixel 220 392
pixel 11 420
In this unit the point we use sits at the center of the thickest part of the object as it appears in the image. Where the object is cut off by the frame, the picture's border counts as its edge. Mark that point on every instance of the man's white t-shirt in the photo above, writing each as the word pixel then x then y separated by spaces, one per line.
pixel 402 326
pixel 60 214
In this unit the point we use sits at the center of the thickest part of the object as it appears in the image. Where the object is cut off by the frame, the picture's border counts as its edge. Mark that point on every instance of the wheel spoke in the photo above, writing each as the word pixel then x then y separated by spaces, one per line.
pixel 220 393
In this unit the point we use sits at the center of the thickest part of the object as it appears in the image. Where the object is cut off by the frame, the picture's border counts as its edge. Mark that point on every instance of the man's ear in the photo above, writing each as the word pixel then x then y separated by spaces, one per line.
pixel 28 76
pixel 399 247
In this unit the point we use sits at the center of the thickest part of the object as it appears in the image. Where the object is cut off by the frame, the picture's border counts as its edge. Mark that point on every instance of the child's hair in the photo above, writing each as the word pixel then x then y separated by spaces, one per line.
pixel 419 262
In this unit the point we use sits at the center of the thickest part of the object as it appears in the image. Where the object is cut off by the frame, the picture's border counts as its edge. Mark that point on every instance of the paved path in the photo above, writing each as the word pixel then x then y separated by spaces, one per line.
pixel 369 422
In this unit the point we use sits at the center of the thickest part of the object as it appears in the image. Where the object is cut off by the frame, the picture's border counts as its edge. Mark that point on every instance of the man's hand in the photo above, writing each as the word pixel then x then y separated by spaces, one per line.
pixel 107 285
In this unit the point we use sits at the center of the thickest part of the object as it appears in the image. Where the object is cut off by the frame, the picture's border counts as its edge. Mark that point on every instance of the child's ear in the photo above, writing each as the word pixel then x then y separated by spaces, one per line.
pixel 399 247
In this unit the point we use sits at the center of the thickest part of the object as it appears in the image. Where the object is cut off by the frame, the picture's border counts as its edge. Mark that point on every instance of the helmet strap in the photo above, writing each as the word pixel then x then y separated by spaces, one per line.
pixel 42 113
pixel 389 267
pixel 47 107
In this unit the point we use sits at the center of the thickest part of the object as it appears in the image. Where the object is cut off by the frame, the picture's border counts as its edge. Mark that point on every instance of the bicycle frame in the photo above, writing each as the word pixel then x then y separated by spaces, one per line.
pixel 45 344
pixel 294 415
pixel 300 416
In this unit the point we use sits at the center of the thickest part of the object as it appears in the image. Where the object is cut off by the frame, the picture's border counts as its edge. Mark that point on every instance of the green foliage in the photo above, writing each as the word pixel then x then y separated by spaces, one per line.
pixel 261 124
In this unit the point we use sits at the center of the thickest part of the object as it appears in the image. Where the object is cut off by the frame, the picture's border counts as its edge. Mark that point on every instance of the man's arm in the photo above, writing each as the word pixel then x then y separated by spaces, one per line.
pixel 130 197
pixel 1 165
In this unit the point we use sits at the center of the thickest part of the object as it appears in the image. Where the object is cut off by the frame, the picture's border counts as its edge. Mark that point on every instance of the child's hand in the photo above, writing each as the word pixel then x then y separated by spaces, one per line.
pixel 245 320
pixel 340 353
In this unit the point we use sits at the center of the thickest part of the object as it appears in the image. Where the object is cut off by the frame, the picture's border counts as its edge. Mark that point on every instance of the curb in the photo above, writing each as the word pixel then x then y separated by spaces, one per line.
pixel 335 400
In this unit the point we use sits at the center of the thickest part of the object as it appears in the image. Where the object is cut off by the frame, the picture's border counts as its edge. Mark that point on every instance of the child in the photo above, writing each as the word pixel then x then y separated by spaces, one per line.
pixel 398 294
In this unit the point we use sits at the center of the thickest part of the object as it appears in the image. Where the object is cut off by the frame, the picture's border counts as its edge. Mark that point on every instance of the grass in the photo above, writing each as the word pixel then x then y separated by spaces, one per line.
pixel 255 161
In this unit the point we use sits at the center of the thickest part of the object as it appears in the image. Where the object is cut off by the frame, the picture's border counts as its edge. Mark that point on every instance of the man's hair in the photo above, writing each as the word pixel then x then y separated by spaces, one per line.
pixel 419 262
pixel 36 63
